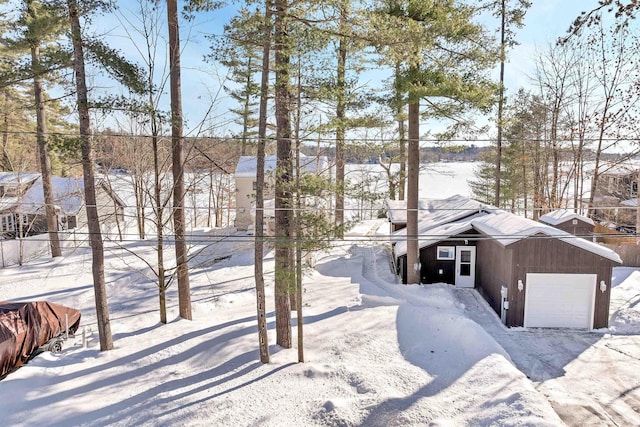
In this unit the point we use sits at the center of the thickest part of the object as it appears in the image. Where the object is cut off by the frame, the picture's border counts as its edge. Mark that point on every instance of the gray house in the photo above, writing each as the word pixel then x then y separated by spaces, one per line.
pixel 532 274
pixel 22 207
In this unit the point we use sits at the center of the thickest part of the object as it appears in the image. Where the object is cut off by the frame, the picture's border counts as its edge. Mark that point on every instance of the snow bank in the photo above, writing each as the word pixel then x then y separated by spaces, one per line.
pixel 376 352
pixel 625 306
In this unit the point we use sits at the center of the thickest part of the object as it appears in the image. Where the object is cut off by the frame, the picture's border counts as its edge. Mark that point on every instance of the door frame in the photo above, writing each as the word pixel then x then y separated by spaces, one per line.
pixel 465 281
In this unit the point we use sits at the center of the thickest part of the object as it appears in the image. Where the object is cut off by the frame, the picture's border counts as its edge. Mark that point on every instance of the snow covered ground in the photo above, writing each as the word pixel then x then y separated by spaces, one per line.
pixel 376 353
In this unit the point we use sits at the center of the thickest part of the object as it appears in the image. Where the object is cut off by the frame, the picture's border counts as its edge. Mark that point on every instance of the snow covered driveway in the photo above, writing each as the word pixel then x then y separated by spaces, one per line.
pixel 590 378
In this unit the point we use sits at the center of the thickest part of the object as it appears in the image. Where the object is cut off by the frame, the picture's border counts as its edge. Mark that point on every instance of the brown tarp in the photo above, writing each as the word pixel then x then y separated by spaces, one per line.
pixel 25 326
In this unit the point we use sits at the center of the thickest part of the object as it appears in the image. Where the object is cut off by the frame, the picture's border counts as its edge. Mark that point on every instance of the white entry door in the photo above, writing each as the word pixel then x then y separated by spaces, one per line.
pixel 465 266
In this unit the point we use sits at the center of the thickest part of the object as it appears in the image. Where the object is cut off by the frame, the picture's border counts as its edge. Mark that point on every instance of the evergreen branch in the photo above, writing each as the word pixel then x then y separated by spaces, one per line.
pixel 127 73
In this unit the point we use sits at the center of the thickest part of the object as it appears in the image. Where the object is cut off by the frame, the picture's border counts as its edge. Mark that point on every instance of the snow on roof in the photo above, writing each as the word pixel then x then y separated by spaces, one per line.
pixel 504 227
pixel 247 165
pixel 68 195
pixel 626 168
pixel 436 233
pixel 630 203
pixel 434 210
pixel 8 203
pixel 563 215
pixel 507 228
pixel 18 177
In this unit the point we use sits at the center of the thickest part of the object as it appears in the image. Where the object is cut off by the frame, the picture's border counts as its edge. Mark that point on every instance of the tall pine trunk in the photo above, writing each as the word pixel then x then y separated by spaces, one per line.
pixel 263 337
pixel 184 293
pixel 283 205
pixel 402 173
pixel 340 121
pixel 43 152
pixel 95 237
pixel 298 257
pixel 413 155
pixel 497 195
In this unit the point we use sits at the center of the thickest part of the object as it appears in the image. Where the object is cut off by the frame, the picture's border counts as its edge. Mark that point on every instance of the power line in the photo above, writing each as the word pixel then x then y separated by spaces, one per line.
pixel 274 138
pixel 380 238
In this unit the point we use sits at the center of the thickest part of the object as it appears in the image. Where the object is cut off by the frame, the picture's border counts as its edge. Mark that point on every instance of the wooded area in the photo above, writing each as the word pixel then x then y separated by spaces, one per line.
pixel 296 72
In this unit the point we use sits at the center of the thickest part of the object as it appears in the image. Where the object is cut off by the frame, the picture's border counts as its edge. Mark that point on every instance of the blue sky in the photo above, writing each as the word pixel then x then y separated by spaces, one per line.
pixel 544 22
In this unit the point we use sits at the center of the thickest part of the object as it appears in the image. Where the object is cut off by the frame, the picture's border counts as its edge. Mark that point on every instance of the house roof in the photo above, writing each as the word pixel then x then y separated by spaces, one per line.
pixel 563 215
pixel 8 203
pixel 430 235
pixel 434 210
pixel 247 165
pixel 108 188
pixel 621 169
pixel 18 177
pixel 507 228
pixel 504 227
pixel 68 195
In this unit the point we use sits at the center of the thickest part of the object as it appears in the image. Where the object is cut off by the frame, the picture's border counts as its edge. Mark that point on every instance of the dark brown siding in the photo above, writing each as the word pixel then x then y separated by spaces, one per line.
pixel 398 226
pixel 581 229
pixel 431 266
pixel 493 271
pixel 549 255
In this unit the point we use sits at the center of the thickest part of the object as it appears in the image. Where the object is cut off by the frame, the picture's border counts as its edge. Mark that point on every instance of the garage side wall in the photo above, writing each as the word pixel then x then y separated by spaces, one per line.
pixel 493 270
pixel 548 255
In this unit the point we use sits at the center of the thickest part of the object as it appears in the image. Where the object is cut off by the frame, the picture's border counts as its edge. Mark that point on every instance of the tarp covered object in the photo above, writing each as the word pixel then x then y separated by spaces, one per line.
pixel 25 326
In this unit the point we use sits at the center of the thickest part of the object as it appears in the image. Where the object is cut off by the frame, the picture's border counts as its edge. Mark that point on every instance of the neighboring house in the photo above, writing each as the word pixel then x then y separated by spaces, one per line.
pixel 245 176
pixel 615 200
pixel 569 221
pixel 22 207
pixel 110 206
pixel 13 186
pixel 532 274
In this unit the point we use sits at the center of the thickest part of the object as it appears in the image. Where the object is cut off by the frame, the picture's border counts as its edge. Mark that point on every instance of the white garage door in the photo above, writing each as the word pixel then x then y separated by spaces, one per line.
pixel 559 300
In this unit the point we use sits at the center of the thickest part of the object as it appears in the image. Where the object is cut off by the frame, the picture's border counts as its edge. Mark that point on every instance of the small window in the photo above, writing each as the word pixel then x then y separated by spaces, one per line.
pixel 8 223
pixel 255 185
pixel 446 253
pixel 634 189
pixel 11 191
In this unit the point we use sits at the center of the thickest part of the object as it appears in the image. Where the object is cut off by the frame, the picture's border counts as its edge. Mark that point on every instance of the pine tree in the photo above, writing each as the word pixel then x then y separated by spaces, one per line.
pixel 509 17
pixel 263 337
pixel 284 277
pixel 39 28
pixel 240 52
pixel 95 237
pixel 15 126
pixel 442 66
pixel 184 292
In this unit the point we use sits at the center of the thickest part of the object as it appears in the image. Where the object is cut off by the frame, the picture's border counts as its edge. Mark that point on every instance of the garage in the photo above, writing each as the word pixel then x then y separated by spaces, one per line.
pixel 559 300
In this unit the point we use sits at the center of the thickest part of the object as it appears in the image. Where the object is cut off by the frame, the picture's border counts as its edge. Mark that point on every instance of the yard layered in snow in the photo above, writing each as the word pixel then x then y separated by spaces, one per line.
pixel 377 353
